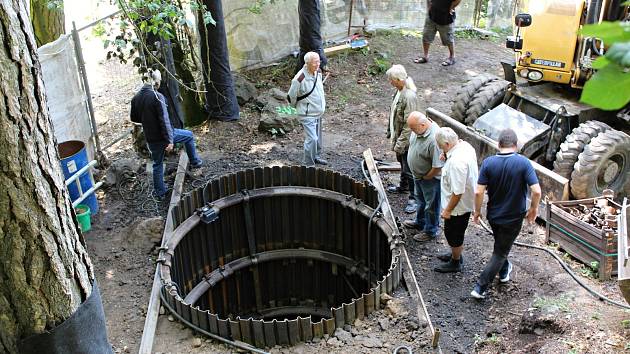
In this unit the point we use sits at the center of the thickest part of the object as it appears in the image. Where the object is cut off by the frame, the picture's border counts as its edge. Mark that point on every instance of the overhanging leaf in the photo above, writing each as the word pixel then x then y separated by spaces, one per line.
pixel 600 62
pixel 609 32
pixel 608 88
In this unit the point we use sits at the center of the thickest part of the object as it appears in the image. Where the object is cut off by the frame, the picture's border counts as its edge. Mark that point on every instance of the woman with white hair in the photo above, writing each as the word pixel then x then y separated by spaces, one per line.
pixel 404 102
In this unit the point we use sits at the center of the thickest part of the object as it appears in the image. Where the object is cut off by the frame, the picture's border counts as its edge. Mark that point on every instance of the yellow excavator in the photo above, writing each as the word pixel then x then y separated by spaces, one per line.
pixel 577 150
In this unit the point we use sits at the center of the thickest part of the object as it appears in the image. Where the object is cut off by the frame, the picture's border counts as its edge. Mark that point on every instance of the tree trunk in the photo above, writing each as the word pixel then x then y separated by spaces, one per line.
pixel 45 272
pixel 48 24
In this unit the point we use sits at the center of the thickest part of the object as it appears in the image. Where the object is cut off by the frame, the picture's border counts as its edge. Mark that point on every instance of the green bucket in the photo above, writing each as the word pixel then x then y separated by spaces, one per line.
pixel 83 217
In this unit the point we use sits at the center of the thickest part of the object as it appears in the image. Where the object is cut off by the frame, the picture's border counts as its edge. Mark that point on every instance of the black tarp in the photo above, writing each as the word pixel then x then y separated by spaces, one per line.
pixel 310 32
pixel 169 86
pixel 221 100
pixel 84 332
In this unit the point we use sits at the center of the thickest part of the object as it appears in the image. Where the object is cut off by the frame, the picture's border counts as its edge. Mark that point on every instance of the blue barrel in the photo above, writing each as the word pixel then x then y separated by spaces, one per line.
pixel 73 158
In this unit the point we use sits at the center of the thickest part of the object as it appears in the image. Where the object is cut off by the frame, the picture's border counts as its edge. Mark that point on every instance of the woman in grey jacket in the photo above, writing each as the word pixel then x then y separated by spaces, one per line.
pixel 404 102
pixel 307 96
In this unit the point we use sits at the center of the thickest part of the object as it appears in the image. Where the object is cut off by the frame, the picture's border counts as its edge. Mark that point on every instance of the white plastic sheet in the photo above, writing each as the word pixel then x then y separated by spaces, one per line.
pixel 67 103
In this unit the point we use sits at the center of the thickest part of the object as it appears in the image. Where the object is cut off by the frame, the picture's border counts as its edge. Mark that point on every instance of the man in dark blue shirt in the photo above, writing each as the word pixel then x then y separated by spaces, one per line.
pixel 149 108
pixel 506 176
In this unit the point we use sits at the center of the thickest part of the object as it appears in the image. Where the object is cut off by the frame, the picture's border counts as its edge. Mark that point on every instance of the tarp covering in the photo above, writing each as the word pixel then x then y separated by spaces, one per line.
pixel 310 32
pixel 221 100
pixel 66 99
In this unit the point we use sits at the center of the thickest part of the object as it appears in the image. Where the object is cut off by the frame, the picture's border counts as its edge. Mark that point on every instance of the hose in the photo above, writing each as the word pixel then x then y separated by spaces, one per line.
pixel 409 351
pixel 239 345
pixel 566 268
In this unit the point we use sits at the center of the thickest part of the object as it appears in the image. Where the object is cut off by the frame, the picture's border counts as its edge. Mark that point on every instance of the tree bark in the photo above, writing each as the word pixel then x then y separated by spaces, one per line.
pixel 45 271
pixel 48 24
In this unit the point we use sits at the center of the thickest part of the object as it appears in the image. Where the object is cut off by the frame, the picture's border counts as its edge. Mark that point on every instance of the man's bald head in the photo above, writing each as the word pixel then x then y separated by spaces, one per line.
pixel 418 122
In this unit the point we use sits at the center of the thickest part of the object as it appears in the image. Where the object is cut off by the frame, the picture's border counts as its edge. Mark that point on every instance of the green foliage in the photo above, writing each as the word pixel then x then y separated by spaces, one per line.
pixel 613 69
pixel 489 340
pixel 552 303
pixel 625 324
pixel 380 64
pixel 125 37
pixel 54 4
pixel 258 5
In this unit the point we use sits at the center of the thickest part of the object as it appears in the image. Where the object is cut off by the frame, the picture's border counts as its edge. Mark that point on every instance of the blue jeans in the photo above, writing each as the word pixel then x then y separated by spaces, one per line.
pixel 504 237
pixel 157 155
pixel 427 193
pixel 312 138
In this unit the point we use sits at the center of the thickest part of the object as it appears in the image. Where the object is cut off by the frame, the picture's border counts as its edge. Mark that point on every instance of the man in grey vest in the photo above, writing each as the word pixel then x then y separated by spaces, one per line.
pixel 307 96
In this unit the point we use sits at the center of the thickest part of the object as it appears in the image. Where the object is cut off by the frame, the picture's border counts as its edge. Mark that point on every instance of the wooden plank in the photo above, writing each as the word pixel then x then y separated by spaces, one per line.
pixel 623 250
pixel 330 51
pixel 150 322
pixel 408 275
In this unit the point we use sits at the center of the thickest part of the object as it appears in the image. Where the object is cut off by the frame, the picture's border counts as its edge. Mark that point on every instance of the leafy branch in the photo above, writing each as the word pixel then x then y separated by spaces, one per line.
pixel 608 88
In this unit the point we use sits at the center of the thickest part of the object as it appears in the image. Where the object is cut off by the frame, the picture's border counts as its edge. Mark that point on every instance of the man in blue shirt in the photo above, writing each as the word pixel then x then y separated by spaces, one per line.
pixel 506 176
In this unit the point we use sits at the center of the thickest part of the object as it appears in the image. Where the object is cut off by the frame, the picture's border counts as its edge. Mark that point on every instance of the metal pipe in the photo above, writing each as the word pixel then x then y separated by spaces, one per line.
pixel 87 194
pixel 86 85
pixel 80 172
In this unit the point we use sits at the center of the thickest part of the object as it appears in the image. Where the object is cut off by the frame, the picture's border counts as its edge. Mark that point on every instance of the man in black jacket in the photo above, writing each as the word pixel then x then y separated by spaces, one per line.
pixel 149 107
pixel 441 18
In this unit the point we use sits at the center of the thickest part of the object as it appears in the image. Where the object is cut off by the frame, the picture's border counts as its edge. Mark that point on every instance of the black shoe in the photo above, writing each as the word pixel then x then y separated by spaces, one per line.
pixel 411 207
pixel 478 292
pixel 445 257
pixel 194 166
pixel 397 189
pixel 451 267
pixel 319 160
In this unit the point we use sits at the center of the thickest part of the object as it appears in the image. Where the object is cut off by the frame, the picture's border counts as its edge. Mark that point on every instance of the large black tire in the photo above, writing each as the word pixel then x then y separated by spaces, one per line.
pixel 465 95
pixel 488 97
pixel 574 144
pixel 604 164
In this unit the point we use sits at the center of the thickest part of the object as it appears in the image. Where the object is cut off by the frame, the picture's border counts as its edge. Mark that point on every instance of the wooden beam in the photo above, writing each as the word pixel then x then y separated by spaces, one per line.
pixel 150 322
pixel 408 275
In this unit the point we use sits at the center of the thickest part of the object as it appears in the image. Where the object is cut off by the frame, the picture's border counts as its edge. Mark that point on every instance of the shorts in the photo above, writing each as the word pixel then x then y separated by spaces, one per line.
pixel 455 229
pixel 447 32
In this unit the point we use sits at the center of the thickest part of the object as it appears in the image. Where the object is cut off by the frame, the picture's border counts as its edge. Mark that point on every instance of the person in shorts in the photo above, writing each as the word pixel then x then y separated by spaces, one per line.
pixel 459 179
pixel 441 18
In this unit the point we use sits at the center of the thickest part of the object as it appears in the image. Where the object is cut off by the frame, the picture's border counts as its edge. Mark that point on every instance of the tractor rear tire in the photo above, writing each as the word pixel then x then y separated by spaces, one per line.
pixel 624 286
pixel 488 97
pixel 574 144
pixel 604 164
pixel 465 95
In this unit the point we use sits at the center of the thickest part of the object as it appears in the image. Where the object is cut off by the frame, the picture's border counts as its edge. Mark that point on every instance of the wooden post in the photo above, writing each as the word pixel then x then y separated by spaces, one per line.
pixel 408 275
pixel 150 323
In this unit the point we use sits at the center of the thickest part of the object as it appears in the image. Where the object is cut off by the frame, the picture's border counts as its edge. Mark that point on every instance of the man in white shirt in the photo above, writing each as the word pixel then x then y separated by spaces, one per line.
pixel 459 179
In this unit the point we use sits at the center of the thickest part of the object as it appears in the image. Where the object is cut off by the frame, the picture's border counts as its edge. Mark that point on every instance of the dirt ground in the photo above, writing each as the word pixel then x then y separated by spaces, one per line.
pixel 541 311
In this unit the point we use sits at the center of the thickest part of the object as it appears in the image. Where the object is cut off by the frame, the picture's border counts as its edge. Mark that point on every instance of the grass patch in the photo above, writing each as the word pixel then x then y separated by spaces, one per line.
pixel 625 324
pixel 551 304
pixel 491 340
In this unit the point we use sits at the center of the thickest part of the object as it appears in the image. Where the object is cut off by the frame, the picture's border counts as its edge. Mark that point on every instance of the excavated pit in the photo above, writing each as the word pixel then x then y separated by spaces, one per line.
pixel 278 255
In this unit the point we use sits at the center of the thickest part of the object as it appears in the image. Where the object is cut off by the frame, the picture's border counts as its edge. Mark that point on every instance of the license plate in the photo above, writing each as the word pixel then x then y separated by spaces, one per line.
pixel 551 63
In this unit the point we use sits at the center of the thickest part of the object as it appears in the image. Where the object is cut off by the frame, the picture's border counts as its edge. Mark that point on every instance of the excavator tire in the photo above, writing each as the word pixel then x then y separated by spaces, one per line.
pixel 574 144
pixel 604 164
pixel 624 286
pixel 488 97
pixel 465 94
